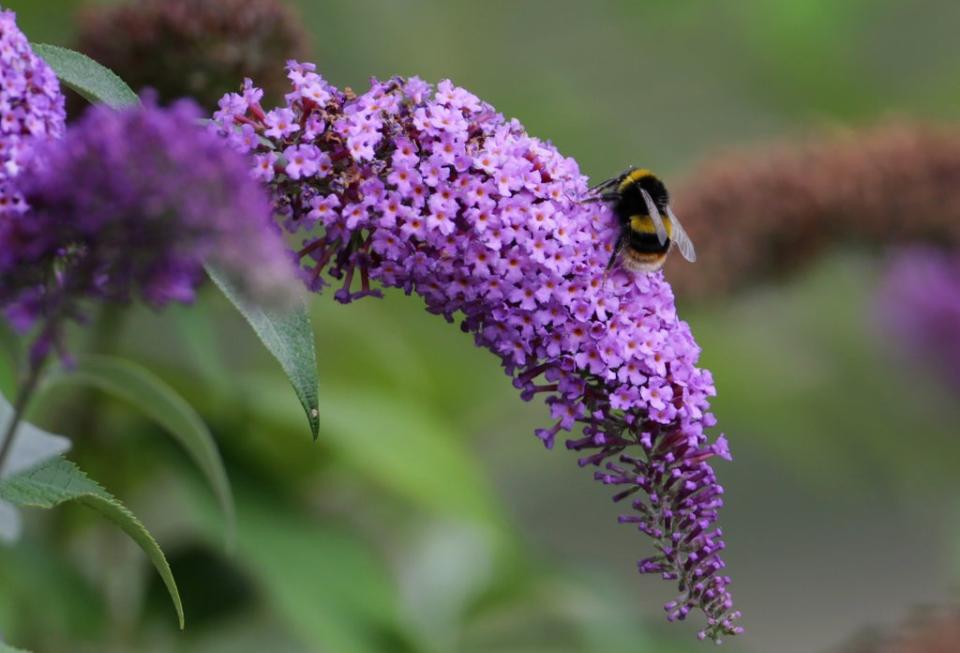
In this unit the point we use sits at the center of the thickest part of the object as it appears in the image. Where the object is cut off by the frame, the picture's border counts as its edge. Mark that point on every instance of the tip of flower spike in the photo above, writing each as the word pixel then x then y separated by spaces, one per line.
pixel 546 436
pixel 721 448
pixel 718 628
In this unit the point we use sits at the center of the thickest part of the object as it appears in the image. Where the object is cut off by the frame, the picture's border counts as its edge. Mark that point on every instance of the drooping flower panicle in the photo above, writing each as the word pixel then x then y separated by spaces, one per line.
pixel 31 107
pixel 433 192
pixel 130 204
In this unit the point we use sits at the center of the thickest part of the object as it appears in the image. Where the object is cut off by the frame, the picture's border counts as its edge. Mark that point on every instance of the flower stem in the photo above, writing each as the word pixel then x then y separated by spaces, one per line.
pixel 36 362
pixel 19 408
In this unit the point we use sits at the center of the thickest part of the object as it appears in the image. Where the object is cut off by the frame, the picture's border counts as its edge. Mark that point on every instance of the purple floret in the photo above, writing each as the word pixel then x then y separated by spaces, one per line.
pixel 435 193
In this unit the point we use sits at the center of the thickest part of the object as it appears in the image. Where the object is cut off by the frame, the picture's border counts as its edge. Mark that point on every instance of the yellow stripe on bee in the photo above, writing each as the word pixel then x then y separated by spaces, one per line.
pixel 633 177
pixel 643 224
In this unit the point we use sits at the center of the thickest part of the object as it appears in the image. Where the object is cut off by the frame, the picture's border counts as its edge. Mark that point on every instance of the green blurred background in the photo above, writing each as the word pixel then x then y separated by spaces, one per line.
pixel 427 517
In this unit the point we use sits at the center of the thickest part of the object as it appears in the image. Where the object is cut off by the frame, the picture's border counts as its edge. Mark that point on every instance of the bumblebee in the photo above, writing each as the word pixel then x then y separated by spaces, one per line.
pixel 648 226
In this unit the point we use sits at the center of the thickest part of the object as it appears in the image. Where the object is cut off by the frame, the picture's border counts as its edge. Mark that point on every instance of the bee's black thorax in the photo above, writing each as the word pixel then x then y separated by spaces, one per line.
pixel 630 200
pixel 630 203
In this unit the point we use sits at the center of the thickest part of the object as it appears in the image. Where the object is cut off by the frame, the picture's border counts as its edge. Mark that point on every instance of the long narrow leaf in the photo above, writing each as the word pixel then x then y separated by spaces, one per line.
pixel 161 403
pixel 93 81
pixel 58 481
pixel 289 337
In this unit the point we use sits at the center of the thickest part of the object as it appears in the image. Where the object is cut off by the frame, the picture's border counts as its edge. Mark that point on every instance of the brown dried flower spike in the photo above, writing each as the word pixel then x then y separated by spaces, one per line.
pixel 758 214
pixel 197 48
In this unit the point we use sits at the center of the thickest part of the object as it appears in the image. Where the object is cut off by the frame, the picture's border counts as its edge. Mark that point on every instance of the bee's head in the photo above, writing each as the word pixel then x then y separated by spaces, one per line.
pixel 636 178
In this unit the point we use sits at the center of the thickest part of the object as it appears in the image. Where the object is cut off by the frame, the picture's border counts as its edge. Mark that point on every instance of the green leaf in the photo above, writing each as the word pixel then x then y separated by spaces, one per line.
pixel 58 481
pixel 395 444
pixel 31 446
pixel 161 403
pixel 93 81
pixel 409 450
pixel 41 589
pixel 288 335
pixel 326 581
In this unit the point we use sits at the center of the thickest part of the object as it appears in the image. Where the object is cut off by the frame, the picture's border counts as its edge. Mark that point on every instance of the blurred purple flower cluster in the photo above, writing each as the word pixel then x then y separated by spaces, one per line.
pixel 920 303
pixel 434 192
pixel 130 204
pixel 125 204
pixel 31 107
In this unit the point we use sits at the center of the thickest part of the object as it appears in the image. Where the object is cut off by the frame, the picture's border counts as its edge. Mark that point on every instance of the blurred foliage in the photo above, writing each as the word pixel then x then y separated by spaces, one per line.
pixel 427 517
pixel 59 481
pixel 802 367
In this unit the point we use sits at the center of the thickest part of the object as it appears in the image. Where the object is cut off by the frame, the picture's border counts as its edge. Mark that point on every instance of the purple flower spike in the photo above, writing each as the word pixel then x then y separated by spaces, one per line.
pixel 130 205
pixel 434 192
pixel 31 107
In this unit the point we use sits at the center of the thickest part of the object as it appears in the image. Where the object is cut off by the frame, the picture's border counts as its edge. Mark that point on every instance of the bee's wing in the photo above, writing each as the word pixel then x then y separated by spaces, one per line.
pixel 680 237
pixel 655 216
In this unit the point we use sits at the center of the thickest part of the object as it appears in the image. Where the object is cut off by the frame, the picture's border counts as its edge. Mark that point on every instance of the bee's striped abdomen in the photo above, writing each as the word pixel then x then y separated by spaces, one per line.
pixel 647 243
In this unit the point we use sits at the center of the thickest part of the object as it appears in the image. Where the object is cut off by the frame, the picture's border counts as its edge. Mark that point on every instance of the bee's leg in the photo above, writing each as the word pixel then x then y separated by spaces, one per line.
pixel 617 246
pixel 606 197
pixel 613 258
pixel 606 183
pixel 613 181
